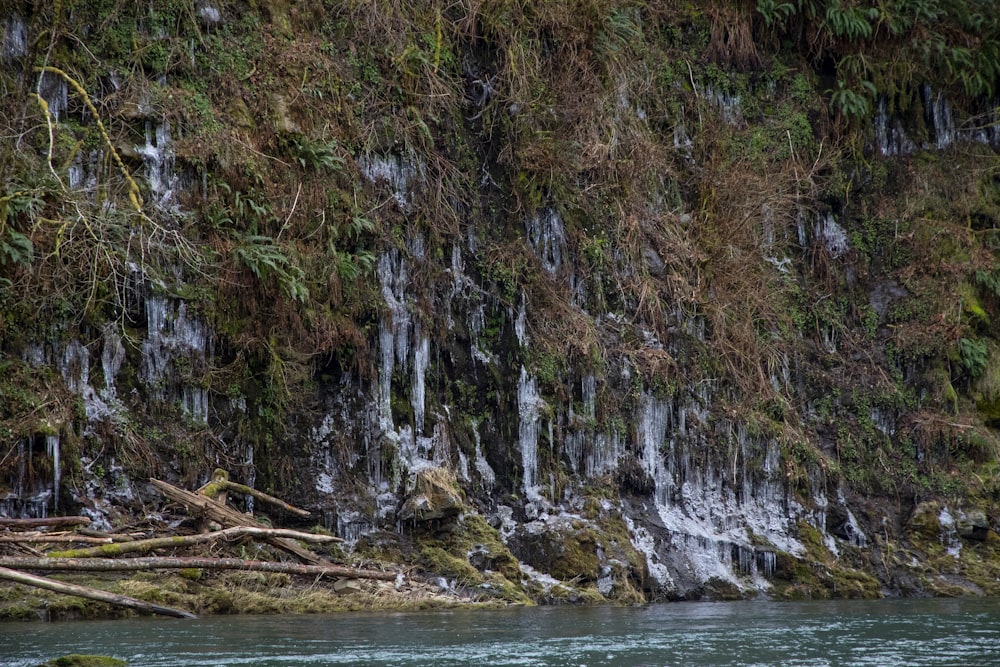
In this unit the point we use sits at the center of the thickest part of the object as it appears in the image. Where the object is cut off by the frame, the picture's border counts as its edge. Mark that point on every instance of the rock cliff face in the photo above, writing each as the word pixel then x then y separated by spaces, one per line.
pixel 581 301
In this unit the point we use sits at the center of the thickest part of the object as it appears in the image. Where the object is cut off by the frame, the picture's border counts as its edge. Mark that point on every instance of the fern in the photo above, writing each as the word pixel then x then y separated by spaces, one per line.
pixel 974 356
pixel 989 280
pixel 851 103
pixel 621 28
pixel 774 12
pixel 16 249
pixel 267 261
pixel 318 156
pixel 851 22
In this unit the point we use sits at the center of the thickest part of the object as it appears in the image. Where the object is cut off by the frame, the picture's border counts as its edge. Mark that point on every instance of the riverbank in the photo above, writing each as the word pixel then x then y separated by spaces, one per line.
pixel 207 593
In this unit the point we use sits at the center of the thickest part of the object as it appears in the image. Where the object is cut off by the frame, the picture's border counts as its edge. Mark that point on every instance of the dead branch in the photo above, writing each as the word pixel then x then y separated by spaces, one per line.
pixel 220 483
pixel 42 538
pixel 237 532
pixel 91 594
pixel 157 563
pixel 114 537
pixel 211 509
pixel 61 521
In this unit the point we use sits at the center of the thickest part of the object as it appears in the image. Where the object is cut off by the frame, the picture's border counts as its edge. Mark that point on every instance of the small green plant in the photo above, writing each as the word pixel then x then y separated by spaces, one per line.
pixel 16 249
pixel 266 260
pixel 974 356
pixel 317 156
pixel 850 21
pixel 853 103
pixel 990 281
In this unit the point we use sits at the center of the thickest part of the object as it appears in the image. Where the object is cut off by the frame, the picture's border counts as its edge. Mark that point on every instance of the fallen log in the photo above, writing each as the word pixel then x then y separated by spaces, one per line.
pixel 235 533
pixel 170 563
pixel 114 537
pixel 216 511
pixel 220 484
pixel 62 521
pixel 91 594
pixel 42 538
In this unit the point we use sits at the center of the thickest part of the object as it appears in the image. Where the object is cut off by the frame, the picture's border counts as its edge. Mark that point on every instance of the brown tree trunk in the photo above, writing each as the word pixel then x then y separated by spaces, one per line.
pixel 145 546
pixel 61 521
pixel 205 506
pixel 156 563
pixel 91 594
pixel 26 538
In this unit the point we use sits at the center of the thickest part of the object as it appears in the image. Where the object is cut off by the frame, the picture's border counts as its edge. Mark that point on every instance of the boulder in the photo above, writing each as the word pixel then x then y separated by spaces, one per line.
pixel 435 495
pixel 972 524
pixel 346 586
pixel 77 660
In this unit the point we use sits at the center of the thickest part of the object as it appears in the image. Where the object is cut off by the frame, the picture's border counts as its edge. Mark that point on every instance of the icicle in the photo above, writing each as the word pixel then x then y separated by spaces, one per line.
pixel 949 534
pixel 52 88
pixel 486 473
pixel 112 357
pixel 158 157
pixel 528 404
pixel 767 562
pixel 52 449
pixel 727 103
pixel 173 333
pixel 248 463
pixel 15 38
pixel 833 236
pixel 547 236
pixel 398 173
pixel 75 367
pixel 521 322
pixel 890 136
pixel 421 359
pixel 588 390
pixel 651 432
pixel 937 112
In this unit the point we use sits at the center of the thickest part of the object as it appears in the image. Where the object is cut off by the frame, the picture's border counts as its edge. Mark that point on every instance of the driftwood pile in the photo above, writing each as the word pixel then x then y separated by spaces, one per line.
pixel 104 552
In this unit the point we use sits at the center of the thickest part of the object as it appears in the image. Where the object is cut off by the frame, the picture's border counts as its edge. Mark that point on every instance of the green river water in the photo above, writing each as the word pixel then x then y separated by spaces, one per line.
pixel 882 632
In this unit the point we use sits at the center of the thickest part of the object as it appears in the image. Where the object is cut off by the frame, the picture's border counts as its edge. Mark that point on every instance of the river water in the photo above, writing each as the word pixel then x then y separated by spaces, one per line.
pixel 839 633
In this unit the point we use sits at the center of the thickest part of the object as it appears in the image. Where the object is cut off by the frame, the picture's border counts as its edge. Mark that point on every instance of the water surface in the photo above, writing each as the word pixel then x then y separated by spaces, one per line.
pixel 839 633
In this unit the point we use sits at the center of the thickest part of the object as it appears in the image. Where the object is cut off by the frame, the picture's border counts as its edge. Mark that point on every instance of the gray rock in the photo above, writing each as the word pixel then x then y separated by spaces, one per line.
pixel 972 525
pixel 346 586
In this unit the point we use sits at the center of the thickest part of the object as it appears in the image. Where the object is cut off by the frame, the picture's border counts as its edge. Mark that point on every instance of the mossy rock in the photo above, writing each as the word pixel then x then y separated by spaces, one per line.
pixel 925 522
pixel 720 589
pixel 435 495
pixel 566 554
pixel 76 660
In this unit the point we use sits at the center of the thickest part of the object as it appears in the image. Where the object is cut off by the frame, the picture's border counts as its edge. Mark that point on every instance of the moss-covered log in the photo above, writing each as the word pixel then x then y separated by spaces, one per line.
pixel 220 484
pixel 42 538
pixel 172 563
pixel 91 594
pixel 236 533
pixel 227 516
pixel 48 522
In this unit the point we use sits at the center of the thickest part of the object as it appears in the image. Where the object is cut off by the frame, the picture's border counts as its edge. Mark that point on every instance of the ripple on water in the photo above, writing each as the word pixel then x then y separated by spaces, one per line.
pixel 743 634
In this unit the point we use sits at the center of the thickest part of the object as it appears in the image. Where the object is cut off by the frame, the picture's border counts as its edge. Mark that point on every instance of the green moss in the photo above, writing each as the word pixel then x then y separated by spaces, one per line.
pixel 820 575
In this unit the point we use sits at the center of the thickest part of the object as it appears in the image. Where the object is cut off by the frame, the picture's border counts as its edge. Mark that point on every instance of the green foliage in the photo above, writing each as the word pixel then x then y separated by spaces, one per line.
pixel 853 103
pixel 974 356
pixel 886 47
pixel 989 280
pixel 621 28
pixel 317 156
pixel 350 266
pixel 850 21
pixel 774 12
pixel 16 249
pixel 267 261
